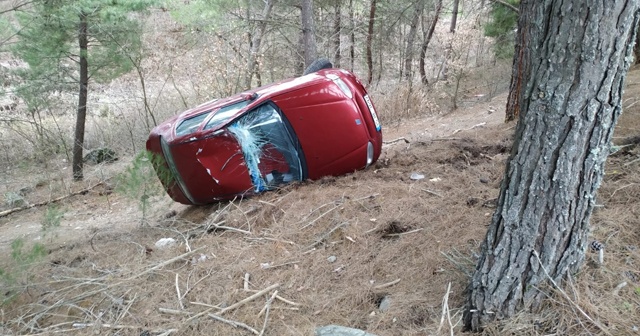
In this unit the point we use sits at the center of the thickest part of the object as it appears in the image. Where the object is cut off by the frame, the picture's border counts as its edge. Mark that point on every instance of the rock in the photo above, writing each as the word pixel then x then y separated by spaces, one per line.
pixel 385 304
pixel 335 330
pixel 416 176
pixel 101 155
pixel 332 259
pixel 165 243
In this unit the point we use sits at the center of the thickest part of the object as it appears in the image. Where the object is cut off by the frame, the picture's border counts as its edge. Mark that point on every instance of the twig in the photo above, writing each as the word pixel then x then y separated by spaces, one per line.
pixel 402 233
pixel 322 215
pixel 508 5
pixel 619 287
pixel 445 311
pixel 204 305
pixel 173 311
pixel 388 284
pixel 432 192
pixel 234 324
pixel 265 308
pixel 266 316
pixel 281 265
pixel 535 253
pixel 280 298
pixel 178 292
pixel 396 140
pixel 326 235
pixel 227 228
pixel 237 304
pixel 267 203
pixel 246 281
pixel 626 164
pixel 162 264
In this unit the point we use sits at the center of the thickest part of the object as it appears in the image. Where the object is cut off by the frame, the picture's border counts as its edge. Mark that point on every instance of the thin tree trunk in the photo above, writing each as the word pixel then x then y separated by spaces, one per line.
pixel 411 36
pixel 78 141
pixel 337 28
pixel 372 19
pixel 427 35
pixel 454 16
pixel 308 32
pixel 569 105
pixel 352 36
pixel 256 40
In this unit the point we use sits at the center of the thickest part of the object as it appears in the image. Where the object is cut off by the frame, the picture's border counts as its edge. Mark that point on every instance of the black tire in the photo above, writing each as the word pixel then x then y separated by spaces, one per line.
pixel 319 64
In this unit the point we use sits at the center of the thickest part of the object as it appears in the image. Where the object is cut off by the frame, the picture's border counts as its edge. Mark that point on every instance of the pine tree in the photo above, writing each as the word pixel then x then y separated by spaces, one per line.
pixel 69 44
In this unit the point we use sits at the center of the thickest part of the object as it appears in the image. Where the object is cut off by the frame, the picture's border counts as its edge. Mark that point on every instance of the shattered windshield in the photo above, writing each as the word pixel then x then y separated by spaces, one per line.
pixel 268 148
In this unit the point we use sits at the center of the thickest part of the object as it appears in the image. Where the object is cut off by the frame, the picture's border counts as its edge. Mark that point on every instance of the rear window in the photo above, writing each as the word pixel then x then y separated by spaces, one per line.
pixel 224 114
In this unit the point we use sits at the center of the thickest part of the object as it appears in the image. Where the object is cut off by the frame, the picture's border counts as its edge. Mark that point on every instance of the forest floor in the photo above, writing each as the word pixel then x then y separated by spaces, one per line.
pixel 375 250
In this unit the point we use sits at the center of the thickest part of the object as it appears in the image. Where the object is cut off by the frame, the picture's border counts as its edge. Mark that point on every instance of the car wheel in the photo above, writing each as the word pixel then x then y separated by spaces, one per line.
pixel 319 64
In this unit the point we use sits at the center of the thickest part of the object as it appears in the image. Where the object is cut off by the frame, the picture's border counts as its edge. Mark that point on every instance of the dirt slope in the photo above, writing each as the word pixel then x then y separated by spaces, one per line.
pixel 334 249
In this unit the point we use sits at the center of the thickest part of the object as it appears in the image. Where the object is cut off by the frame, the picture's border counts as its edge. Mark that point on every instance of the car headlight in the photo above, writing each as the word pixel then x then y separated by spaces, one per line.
pixel 341 84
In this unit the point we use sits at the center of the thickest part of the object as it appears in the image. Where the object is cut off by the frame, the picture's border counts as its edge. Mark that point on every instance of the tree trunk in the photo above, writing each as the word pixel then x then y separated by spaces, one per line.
pixel 337 27
pixel 256 40
pixel 352 36
pixel 411 36
pixel 372 19
pixel 519 71
pixel 570 101
pixel 308 32
pixel 427 35
pixel 454 16
pixel 78 141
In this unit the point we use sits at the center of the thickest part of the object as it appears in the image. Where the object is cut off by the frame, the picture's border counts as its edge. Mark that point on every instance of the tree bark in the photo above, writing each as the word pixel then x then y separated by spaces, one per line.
pixel 308 32
pixel 454 16
pixel 411 36
pixel 372 19
pixel 78 141
pixel 569 103
pixel 427 35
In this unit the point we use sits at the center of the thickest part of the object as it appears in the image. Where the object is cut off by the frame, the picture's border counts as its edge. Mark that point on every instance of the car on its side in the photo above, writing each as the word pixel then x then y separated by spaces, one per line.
pixel 319 124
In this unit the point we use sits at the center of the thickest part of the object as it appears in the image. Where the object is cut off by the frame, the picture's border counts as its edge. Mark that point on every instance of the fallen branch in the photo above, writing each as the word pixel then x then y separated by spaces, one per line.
pixel 402 233
pixel 55 200
pixel 234 324
pixel 226 228
pixel 396 140
pixel 432 192
pixel 388 284
pixel 280 298
pixel 326 235
pixel 237 304
pixel 266 308
pixel 445 311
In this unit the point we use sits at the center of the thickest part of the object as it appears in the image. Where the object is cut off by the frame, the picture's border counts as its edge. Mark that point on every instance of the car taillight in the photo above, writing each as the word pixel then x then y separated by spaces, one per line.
pixel 341 84
pixel 166 151
pixel 370 154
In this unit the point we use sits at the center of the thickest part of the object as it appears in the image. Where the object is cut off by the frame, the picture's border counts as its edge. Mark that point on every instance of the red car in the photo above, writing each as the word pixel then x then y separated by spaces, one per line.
pixel 319 124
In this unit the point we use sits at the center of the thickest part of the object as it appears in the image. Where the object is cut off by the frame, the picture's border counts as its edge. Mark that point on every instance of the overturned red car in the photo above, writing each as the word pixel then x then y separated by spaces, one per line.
pixel 316 125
